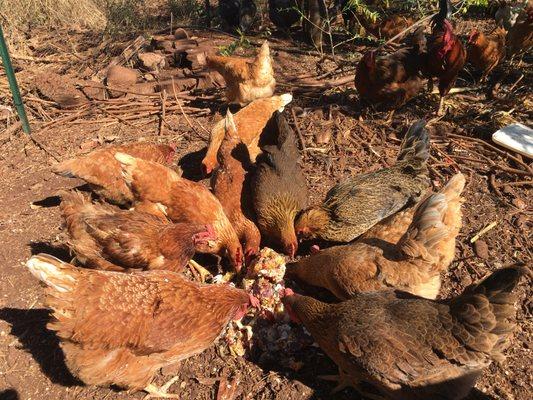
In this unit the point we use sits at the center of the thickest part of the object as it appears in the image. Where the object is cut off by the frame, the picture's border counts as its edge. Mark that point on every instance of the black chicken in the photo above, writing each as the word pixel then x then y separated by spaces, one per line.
pixel 284 13
pixel 237 14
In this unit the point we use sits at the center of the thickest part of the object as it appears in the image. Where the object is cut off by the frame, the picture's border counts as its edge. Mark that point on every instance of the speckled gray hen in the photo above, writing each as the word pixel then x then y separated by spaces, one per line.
pixel 412 263
pixel 358 203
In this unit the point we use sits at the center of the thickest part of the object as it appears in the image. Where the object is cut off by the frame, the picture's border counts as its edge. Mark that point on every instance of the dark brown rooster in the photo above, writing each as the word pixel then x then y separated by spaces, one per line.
pixel 279 186
pixel 445 55
pixel 394 79
pixel 108 238
pixel 410 348
pixel 119 329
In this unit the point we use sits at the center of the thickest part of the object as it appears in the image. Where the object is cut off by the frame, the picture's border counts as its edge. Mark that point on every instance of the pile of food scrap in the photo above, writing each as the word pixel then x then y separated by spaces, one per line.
pixel 266 330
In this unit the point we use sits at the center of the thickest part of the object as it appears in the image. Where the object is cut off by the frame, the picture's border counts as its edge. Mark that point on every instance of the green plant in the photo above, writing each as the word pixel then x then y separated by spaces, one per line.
pixel 359 7
pixel 233 46
pixel 124 15
pixel 191 10
pixel 467 4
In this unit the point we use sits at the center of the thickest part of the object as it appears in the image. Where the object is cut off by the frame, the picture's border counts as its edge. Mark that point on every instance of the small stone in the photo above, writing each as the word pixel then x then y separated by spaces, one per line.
pixel 121 77
pixel 323 136
pixel 519 203
pixel 481 249
pixel 153 61
pixel 181 33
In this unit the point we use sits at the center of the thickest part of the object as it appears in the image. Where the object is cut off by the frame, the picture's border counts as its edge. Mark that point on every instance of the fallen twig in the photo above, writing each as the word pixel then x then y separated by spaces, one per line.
pixel 185 115
pixel 483 231
pixel 298 130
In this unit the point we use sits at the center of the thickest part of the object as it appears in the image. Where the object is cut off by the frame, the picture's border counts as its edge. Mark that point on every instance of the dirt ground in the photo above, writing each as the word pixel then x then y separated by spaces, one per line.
pixel 338 140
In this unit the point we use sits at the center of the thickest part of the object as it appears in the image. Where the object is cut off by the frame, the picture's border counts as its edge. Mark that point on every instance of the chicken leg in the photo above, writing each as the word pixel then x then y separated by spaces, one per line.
pixel 154 392
pixel 442 109
pixel 344 380
pixel 204 273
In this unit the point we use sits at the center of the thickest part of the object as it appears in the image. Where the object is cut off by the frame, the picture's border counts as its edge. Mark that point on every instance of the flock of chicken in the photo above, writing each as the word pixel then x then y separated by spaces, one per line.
pixel 132 311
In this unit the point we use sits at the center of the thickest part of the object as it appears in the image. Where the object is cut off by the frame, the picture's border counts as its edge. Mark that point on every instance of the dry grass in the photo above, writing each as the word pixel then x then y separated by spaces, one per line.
pixel 18 16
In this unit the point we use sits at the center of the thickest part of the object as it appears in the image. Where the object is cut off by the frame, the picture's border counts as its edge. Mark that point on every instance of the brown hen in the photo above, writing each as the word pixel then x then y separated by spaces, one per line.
pixel 184 201
pixel 413 348
pixel 356 204
pixel 279 187
pixel 119 329
pixel 246 79
pixel 231 187
pixel 486 52
pixel 250 122
pixel 102 172
pixel 107 238
pixel 412 264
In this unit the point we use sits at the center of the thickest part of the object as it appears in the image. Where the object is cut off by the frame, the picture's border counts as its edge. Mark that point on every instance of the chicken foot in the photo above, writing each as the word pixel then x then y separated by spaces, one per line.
pixel 154 392
pixel 441 110
pixel 204 273
pixel 344 380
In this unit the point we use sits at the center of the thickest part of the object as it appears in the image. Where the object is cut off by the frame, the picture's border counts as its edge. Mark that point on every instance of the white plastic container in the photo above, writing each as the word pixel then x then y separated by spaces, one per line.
pixel 516 137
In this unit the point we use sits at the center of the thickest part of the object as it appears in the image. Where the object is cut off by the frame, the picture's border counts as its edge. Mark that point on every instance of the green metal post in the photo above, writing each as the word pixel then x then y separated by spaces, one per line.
pixel 17 99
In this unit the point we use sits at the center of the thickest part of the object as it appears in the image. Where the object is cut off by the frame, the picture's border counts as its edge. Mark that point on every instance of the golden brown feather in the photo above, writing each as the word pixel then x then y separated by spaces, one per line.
pixel 119 329
pixel 246 79
pixel 184 200
pixel 102 172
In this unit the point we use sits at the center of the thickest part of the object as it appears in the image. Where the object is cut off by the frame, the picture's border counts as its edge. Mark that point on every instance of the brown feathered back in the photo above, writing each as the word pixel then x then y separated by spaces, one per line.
pixel 279 188
pixel 412 348
pixel 185 201
pixel 102 172
pixel 113 239
pixel 119 329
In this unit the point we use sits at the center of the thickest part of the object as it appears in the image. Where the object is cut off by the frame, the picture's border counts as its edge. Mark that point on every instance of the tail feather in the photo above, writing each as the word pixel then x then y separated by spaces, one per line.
pixel 453 215
pixel 57 274
pixel 73 202
pixel 68 168
pixel 415 145
pixel 484 315
pixel 263 60
pixel 436 223
pixel 426 230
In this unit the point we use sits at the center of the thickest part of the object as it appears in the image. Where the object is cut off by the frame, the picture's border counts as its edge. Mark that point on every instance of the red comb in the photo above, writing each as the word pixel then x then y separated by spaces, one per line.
pixel 288 292
pixel 254 301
